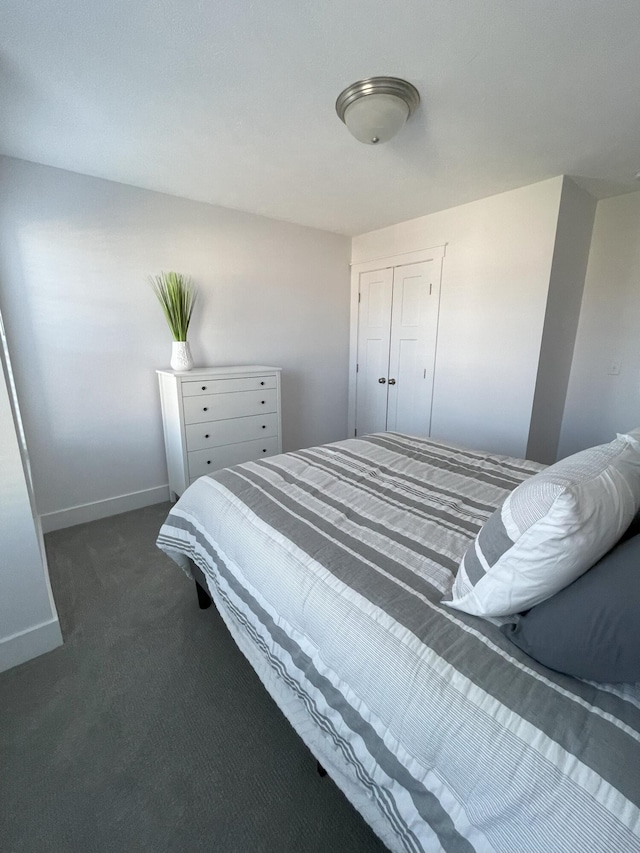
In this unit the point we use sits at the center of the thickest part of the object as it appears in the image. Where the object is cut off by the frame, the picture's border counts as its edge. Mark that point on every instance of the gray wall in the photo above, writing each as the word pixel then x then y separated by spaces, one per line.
pixel 495 283
pixel 86 333
pixel 600 403
pixel 566 285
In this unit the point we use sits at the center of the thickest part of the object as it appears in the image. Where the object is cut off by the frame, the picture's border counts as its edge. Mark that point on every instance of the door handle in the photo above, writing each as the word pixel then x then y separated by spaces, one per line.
pixel 392 382
pixel 382 380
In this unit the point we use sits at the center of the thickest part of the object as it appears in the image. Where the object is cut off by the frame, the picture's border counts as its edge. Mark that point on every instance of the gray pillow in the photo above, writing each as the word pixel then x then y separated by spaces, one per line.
pixel 590 629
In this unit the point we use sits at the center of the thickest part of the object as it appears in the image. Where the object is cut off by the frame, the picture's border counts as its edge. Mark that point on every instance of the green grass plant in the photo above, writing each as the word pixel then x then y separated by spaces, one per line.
pixel 177 296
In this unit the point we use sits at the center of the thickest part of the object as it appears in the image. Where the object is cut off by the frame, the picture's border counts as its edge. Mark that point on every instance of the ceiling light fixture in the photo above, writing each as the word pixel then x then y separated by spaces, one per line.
pixel 375 109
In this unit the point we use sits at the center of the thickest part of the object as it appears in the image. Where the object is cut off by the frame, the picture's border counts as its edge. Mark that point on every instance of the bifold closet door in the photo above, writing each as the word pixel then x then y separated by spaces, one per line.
pixel 414 318
pixel 374 337
pixel 397 327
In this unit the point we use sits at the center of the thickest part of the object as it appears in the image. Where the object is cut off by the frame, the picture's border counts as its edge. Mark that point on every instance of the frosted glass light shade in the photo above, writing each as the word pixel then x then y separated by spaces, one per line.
pixel 375 109
pixel 376 118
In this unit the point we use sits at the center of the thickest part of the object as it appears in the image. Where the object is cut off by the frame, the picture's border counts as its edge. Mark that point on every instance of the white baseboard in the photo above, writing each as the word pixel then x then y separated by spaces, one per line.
pixel 103 509
pixel 28 644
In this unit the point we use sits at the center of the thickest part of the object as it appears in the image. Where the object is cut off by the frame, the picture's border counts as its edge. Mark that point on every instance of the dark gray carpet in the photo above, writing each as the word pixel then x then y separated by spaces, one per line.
pixel 148 730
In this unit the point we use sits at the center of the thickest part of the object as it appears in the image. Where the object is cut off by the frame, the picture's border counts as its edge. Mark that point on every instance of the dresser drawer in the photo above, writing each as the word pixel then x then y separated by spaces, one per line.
pixel 231 431
pixel 206 461
pixel 216 407
pixel 226 386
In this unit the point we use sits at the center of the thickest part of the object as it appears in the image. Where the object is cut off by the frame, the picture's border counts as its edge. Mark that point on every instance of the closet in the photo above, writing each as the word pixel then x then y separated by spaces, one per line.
pixel 395 303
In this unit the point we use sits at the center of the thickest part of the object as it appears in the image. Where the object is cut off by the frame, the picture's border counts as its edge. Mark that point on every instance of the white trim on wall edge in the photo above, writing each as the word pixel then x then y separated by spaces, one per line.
pixel 103 509
pixel 30 643
pixel 402 259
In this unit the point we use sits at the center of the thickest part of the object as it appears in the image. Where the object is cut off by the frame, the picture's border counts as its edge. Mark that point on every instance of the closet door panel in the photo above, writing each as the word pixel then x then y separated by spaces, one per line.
pixel 374 333
pixel 412 347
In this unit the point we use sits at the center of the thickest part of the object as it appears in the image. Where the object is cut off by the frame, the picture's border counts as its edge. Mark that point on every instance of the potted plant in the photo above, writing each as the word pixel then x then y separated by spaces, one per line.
pixel 177 295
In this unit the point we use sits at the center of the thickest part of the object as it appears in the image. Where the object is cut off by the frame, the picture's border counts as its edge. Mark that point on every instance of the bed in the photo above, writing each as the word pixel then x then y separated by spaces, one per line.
pixel 328 566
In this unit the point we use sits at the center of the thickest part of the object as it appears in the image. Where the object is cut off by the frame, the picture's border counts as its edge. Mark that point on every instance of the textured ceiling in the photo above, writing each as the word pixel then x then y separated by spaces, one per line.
pixel 232 102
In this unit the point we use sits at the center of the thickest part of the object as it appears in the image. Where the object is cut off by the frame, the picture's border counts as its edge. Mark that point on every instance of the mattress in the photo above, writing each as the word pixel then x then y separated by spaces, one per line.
pixel 329 565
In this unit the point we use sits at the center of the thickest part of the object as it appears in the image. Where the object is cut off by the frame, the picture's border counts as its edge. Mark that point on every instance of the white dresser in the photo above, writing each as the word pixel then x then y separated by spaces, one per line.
pixel 214 417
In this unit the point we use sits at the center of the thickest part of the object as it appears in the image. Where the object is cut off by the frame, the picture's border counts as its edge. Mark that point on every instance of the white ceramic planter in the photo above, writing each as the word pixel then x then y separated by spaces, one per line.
pixel 181 356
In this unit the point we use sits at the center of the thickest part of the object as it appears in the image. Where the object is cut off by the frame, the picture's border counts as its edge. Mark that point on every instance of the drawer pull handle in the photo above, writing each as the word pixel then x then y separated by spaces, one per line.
pixel 204 408
pixel 262 383
pixel 208 462
pixel 262 401
pixel 204 387
pixel 207 435
pixel 264 426
pixel 264 449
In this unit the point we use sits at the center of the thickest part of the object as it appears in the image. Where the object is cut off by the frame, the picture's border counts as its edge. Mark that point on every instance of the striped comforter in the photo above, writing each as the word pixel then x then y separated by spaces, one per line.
pixel 328 565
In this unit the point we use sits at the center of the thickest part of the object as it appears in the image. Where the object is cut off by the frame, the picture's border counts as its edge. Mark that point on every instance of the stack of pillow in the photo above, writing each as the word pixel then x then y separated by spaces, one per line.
pixel 548 554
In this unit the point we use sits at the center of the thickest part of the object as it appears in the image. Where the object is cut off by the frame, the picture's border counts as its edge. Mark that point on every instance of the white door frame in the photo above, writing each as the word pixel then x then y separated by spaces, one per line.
pixel 429 254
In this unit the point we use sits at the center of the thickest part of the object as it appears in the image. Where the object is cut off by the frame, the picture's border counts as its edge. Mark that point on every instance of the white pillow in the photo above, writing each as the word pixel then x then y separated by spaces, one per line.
pixel 550 530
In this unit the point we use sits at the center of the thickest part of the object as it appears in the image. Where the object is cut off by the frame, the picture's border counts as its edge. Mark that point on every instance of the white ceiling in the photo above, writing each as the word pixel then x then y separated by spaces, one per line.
pixel 232 101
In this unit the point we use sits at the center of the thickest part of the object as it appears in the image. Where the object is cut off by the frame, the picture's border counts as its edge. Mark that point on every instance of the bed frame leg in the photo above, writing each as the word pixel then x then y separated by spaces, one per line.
pixel 320 769
pixel 204 599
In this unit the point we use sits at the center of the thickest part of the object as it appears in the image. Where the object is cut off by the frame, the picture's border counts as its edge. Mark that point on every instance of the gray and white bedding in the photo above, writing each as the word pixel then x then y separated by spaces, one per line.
pixel 329 565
